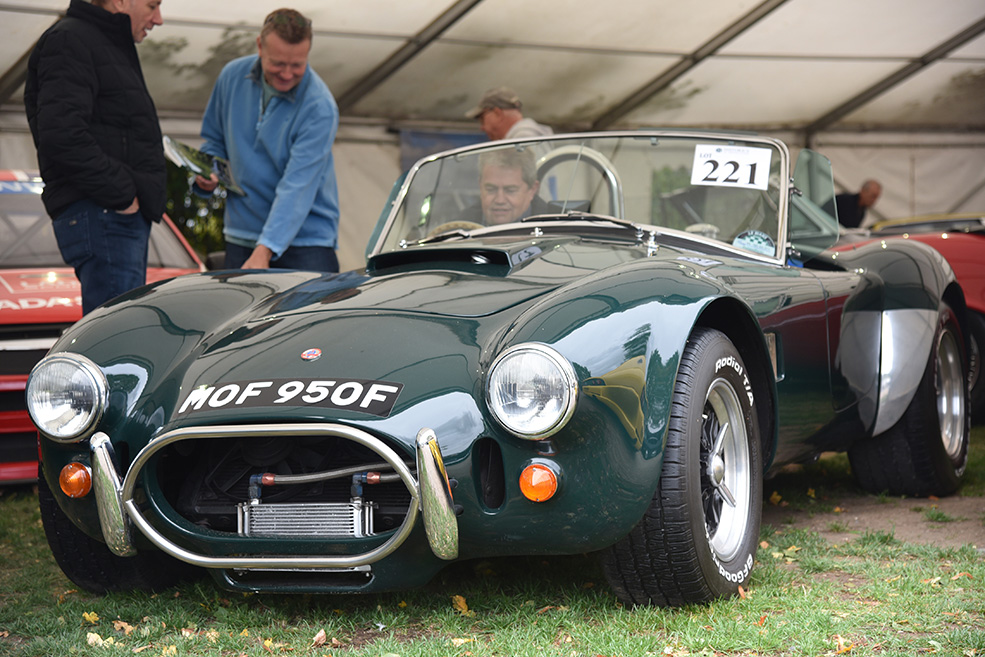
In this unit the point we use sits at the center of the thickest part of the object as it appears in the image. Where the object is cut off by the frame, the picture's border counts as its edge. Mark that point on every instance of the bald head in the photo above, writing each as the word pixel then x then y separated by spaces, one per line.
pixel 869 194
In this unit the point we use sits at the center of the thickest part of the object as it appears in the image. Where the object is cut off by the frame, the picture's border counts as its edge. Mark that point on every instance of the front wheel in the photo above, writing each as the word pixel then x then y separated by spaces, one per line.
pixel 926 452
pixel 91 564
pixel 698 538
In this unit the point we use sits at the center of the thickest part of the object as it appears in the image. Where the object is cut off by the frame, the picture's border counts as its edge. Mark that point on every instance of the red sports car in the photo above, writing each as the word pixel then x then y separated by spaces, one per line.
pixel 40 298
pixel 960 238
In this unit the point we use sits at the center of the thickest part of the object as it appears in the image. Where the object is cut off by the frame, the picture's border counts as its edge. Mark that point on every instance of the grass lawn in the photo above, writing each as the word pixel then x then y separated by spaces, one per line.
pixel 869 595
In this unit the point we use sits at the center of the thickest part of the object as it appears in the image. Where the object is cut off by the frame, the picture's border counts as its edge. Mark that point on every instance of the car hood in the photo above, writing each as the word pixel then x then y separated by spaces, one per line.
pixel 472 279
pixel 250 336
pixel 39 296
pixel 51 295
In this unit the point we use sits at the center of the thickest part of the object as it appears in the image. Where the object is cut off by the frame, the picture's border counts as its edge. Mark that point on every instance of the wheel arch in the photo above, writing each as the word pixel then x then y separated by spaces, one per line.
pixel 734 319
pixel 954 297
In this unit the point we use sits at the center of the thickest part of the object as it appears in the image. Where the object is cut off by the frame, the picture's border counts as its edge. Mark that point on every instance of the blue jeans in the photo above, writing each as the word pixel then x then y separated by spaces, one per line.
pixel 306 258
pixel 107 249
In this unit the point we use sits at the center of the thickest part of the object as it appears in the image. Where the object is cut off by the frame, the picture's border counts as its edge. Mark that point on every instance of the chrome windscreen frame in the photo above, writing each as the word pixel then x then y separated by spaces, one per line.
pixel 377 241
pixel 431 495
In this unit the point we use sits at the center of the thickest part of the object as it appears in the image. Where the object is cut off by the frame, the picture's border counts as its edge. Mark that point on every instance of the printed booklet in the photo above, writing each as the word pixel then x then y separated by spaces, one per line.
pixel 201 163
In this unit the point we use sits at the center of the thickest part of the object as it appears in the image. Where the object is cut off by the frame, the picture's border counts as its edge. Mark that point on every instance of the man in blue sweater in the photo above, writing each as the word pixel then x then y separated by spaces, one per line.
pixel 275 121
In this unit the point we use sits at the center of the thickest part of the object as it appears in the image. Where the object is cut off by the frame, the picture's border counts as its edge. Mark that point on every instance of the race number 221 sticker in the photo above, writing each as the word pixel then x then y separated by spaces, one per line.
pixel 731 166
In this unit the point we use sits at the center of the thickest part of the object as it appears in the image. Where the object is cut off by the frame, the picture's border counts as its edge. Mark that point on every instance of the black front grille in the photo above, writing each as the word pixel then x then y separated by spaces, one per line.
pixel 206 479
pixel 18 447
pixel 20 361
pixel 12 400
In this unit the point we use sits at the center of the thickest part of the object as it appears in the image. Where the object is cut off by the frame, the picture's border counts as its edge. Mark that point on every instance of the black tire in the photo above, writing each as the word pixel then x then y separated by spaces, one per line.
pixel 691 546
pixel 926 452
pixel 92 566
pixel 976 378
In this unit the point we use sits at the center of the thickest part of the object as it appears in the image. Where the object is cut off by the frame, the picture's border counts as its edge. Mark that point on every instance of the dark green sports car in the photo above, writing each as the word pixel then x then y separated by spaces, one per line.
pixel 588 342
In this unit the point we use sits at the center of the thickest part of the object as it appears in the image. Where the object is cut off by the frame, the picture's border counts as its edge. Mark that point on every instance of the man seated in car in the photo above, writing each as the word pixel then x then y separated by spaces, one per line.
pixel 508 187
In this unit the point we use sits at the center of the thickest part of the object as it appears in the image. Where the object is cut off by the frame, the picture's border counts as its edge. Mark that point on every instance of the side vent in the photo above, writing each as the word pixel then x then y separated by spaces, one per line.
pixel 491 478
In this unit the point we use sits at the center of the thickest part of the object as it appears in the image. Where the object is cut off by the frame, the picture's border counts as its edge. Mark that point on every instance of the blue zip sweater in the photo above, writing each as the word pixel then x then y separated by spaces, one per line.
pixel 281 157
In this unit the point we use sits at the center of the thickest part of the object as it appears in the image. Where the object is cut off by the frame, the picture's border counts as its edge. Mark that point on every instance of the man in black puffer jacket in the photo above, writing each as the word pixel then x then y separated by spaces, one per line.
pixel 98 141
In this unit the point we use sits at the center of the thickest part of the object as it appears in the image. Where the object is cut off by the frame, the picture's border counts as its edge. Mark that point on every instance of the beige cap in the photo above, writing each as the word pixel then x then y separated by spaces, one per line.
pixel 502 97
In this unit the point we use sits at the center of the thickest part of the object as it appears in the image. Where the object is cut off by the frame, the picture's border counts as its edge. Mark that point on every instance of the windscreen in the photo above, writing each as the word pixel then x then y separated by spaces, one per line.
pixel 28 241
pixel 720 188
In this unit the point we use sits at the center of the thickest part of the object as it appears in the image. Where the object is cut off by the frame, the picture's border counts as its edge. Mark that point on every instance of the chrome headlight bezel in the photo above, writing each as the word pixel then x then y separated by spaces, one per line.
pixel 564 389
pixel 45 382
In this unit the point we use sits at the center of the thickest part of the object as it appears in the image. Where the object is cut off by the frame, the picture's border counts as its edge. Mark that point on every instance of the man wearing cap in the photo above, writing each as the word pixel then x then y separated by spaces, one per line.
pixel 499 115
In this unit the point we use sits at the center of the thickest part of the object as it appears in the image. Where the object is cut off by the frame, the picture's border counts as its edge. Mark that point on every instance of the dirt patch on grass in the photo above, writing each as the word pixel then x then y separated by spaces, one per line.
pixel 844 513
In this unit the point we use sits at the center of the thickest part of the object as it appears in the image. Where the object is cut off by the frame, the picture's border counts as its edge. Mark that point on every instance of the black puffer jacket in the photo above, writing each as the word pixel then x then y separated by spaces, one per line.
pixel 93 120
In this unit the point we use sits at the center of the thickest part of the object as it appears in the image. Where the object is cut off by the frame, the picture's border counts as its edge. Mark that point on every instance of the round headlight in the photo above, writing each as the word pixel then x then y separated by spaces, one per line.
pixel 66 395
pixel 531 390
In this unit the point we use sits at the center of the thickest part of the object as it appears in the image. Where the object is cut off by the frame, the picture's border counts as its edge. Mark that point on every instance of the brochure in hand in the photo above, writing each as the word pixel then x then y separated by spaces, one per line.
pixel 201 163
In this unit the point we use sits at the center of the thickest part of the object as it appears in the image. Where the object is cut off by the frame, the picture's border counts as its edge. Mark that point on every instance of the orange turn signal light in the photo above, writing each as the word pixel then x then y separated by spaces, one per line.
pixel 75 480
pixel 538 482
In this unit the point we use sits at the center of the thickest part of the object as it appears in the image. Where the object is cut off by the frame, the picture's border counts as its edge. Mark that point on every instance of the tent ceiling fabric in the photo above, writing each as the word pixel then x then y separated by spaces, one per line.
pixel 802 66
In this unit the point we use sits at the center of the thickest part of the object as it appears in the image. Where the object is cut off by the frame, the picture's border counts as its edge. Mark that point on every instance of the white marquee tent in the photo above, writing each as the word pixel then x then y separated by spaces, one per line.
pixel 889 89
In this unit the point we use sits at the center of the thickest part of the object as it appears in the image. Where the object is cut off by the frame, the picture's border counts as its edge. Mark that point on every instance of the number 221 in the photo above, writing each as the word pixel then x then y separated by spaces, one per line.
pixel 732 175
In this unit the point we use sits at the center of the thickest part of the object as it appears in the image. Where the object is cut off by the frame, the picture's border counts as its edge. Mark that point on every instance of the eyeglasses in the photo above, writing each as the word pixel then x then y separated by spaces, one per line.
pixel 287 18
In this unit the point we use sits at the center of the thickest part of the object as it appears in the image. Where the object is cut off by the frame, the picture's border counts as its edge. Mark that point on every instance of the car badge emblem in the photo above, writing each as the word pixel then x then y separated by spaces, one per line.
pixel 311 354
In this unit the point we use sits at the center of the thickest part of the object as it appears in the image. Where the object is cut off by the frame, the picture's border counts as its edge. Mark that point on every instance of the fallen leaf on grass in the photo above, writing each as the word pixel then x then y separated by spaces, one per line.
pixel 790 554
pixel 122 626
pixel 91 617
pixel 319 639
pixel 461 642
pixel 775 498
pixel 462 607
pixel 934 581
pixel 968 575
pixel 842 646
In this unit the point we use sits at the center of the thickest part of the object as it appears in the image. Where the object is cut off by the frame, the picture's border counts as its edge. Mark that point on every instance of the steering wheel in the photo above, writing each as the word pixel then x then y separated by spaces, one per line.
pixel 594 159
pixel 454 225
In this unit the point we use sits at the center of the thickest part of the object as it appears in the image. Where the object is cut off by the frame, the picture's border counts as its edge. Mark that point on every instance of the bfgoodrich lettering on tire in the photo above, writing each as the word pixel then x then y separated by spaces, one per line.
pixel 698 538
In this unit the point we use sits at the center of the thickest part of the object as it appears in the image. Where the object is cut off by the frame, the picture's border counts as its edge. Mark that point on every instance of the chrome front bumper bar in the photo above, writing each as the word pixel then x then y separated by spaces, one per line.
pixel 431 496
